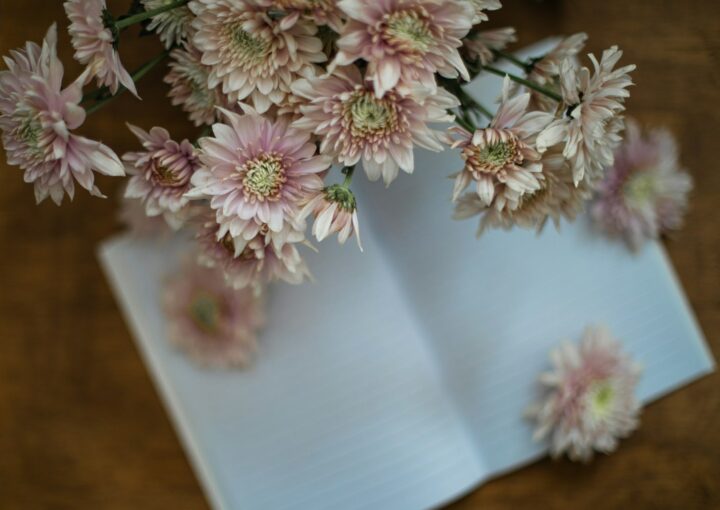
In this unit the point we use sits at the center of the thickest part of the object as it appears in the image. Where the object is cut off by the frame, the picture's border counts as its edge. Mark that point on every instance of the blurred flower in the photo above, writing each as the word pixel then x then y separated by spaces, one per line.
pixel 36 119
pixel 251 54
pixel 132 215
pixel 172 26
pixel 480 45
pixel 404 42
pixel 212 323
pixel 161 173
pixel 335 210
pixel 590 103
pixel 591 401
pixel 188 79
pixel 645 192
pixel 94 42
pixel 557 198
pixel 257 172
pixel 354 124
pixel 252 263
pixel 501 159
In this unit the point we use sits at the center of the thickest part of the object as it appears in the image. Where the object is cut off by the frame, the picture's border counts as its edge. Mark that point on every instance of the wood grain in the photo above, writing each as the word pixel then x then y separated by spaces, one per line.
pixel 80 423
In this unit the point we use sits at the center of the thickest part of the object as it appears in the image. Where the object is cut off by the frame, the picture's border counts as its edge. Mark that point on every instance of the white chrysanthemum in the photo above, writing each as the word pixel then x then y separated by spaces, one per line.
pixel 557 198
pixel 501 160
pixel 253 55
pixel 591 104
pixel 591 401
pixel 172 26
pixel 355 125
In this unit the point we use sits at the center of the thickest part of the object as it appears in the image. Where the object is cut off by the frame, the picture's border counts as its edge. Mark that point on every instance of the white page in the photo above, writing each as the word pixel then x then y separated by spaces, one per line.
pixel 343 408
pixel 492 308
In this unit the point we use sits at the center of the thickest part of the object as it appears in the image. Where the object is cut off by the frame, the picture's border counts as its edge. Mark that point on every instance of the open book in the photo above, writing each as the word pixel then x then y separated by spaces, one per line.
pixel 399 379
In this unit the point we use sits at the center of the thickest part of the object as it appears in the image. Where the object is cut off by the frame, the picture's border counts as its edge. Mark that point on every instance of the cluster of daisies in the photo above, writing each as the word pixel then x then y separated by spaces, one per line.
pixel 291 96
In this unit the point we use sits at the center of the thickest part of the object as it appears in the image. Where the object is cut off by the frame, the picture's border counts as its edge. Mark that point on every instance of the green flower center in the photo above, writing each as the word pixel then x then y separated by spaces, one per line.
pixel 497 154
pixel 206 311
pixel 263 177
pixel 29 131
pixel 370 115
pixel 640 188
pixel 492 156
pixel 249 48
pixel 601 397
pixel 342 195
pixel 410 29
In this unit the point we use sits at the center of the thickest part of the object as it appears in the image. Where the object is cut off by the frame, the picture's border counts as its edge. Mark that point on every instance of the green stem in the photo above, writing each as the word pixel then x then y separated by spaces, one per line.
pixel 512 58
pixel 136 76
pixel 348 171
pixel 465 123
pixel 142 16
pixel 94 94
pixel 527 83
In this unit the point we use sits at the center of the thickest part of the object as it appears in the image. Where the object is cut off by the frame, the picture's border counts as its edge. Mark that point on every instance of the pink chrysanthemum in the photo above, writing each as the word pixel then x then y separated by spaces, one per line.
pixel 645 192
pixel 404 41
pixel 188 79
pixel 335 210
pixel 172 26
pixel 321 12
pixel 501 159
pixel 557 198
pixel 256 173
pixel 354 124
pixel 215 325
pixel 253 55
pixel 591 102
pixel 93 42
pixel 161 173
pixel 262 259
pixel 591 401
pixel 36 119
pixel 480 45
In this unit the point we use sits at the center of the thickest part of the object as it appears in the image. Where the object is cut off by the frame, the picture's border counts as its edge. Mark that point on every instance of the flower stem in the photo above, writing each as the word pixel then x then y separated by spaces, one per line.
pixel 527 83
pixel 512 58
pixel 348 171
pixel 465 122
pixel 142 16
pixel 136 76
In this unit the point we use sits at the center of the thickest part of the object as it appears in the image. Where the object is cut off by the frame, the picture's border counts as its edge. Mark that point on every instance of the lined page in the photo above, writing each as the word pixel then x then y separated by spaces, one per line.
pixel 492 308
pixel 343 409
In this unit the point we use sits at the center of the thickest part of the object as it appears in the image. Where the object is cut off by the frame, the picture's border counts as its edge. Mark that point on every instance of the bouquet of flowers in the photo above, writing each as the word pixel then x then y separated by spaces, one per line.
pixel 293 99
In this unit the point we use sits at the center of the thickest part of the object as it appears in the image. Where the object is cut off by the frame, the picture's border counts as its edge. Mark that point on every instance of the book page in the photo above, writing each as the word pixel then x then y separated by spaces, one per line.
pixel 493 308
pixel 344 407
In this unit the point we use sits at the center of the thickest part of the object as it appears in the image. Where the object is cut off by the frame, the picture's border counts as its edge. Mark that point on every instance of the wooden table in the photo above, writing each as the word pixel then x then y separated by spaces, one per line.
pixel 80 423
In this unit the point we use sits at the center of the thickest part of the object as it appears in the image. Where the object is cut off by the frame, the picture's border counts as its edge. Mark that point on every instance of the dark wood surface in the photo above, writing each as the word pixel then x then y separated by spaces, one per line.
pixel 80 423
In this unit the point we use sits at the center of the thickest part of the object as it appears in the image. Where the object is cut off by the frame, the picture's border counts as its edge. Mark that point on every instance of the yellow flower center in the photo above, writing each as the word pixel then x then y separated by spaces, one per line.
pixel 601 397
pixel 640 188
pixel 263 177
